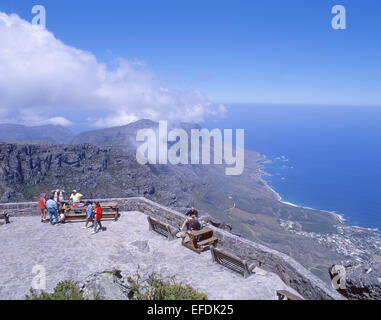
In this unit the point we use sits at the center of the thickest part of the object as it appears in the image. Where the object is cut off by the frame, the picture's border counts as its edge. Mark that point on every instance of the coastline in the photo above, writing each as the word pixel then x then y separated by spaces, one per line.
pixel 339 217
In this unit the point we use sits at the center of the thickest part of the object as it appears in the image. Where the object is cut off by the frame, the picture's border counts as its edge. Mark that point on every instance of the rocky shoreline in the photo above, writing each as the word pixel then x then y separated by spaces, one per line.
pixel 375 235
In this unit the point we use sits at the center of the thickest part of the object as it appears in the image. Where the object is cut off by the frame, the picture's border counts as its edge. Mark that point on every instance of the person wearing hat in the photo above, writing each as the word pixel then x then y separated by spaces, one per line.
pixel 76 198
pixel 89 214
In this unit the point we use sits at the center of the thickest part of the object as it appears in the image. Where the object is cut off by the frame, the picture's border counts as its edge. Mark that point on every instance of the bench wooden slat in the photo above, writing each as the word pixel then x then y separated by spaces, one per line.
pixel 109 204
pixel 164 229
pixel 207 241
pixel 232 262
pixel 110 211
pixel 81 216
pixel 204 230
pixel 105 206
pixel 287 294
pixel 199 239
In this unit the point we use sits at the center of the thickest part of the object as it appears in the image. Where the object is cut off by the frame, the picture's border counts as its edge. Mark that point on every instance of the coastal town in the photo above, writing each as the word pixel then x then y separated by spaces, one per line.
pixel 356 243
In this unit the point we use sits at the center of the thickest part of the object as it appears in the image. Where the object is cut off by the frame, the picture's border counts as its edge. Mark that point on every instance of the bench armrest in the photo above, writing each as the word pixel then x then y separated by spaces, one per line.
pixel 173 230
pixel 252 263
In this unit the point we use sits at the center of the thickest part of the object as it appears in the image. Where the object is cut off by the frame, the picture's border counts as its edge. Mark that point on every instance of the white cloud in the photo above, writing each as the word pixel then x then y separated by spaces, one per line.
pixel 118 119
pixel 43 80
pixel 58 121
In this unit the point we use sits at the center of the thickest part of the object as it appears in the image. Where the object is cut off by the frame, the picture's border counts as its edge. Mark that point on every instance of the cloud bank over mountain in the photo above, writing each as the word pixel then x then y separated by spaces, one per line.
pixel 45 81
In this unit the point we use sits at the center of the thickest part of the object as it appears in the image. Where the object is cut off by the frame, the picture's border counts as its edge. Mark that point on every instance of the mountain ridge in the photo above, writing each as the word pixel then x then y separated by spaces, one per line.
pixel 44 133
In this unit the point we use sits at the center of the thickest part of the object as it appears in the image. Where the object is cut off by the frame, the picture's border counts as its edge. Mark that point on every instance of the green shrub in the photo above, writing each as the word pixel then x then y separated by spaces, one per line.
pixel 65 290
pixel 156 287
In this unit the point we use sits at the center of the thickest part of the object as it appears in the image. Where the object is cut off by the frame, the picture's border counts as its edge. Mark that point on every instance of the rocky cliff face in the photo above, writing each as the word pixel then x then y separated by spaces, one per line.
pixel 26 170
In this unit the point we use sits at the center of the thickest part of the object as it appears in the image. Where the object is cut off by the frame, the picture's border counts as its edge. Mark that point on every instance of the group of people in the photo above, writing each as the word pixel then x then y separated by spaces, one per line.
pixel 191 222
pixel 93 215
pixel 55 201
pixel 50 205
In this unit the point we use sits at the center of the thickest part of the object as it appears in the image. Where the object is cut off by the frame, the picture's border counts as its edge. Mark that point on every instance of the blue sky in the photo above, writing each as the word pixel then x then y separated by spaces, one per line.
pixel 272 51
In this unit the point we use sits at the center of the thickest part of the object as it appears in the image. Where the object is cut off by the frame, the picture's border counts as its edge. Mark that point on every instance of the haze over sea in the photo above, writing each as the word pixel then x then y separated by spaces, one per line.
pixel 324 157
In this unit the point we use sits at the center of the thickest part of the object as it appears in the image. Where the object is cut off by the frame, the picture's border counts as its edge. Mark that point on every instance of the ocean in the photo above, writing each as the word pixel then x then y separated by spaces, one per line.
pixel 323 157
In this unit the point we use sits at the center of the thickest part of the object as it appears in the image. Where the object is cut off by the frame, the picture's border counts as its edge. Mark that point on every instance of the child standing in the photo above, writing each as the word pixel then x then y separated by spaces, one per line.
pixel 98 217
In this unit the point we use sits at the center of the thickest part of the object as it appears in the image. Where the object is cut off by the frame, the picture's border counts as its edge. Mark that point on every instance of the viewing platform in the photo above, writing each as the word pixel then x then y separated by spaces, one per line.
pixel 68 252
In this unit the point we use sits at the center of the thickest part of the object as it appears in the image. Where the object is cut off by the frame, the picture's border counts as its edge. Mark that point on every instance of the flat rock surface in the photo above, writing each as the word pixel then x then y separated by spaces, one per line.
pixel 69 252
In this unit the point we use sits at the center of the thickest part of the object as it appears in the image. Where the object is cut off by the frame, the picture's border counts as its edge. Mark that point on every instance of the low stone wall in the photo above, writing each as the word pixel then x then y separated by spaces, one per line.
pixel 291 272
pixel 18 209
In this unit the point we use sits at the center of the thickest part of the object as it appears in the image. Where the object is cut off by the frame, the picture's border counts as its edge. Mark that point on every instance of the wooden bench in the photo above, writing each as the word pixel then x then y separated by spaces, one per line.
pixel 110 207
pixel 199 240
pixel 164 229
pixel 232 262
pixel 110 210
pixel 287 294
pixel 5 216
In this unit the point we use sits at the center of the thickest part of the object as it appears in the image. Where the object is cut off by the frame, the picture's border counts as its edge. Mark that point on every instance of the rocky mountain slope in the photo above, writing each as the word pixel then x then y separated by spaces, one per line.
pixel 124 136
pixel 28 169
pixel 121 136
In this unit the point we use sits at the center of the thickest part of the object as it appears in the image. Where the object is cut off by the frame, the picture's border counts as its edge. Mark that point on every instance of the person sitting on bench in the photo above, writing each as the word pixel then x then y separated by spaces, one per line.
pixel 193 223
pixel 76 197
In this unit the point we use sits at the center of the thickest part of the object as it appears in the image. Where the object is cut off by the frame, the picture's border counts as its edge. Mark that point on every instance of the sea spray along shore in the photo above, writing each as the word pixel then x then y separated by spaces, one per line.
pixel 359 243
pixel 339 217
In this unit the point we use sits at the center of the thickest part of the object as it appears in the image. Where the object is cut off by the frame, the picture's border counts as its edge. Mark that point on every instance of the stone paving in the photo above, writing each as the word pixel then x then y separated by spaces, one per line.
pixel 69 252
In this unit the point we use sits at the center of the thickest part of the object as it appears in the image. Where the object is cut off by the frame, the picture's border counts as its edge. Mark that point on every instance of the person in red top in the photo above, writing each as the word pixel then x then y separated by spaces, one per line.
pixel 42 206
pixel 98 217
